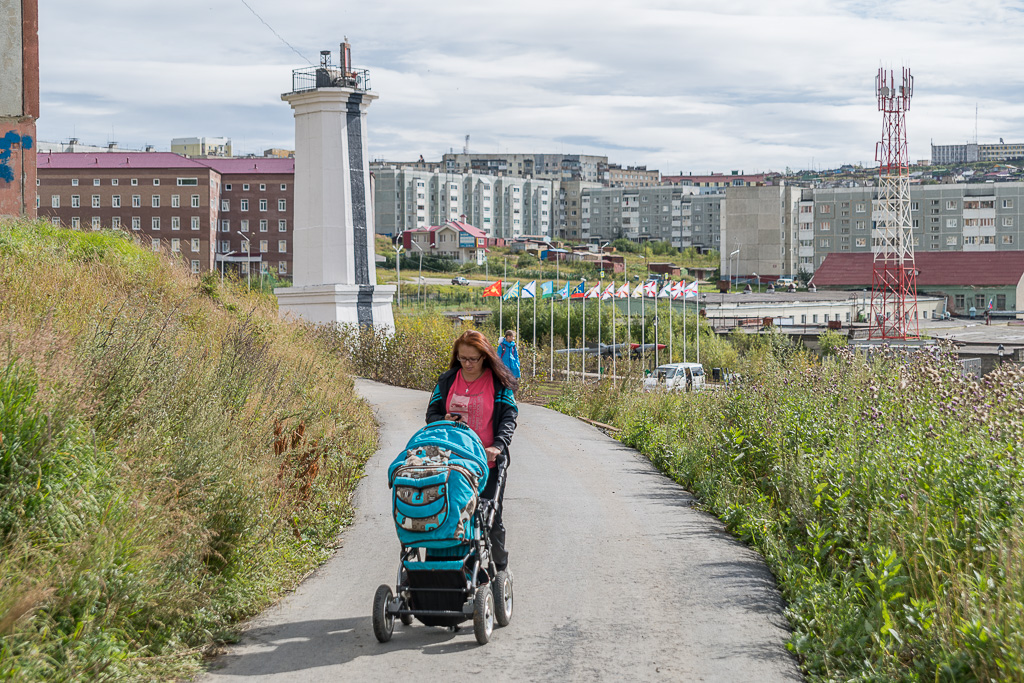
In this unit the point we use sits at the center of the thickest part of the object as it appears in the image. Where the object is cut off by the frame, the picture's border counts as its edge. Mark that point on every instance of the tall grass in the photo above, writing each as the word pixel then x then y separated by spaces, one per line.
pixel 887 496
pixel 171 457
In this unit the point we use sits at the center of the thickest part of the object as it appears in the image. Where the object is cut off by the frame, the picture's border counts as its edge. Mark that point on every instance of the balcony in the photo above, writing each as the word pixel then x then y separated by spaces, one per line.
pixel 313 77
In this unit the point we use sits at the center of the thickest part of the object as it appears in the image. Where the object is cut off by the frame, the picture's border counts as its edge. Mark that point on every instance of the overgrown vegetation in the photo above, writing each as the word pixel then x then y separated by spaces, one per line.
pixel 887 495
pixel 171 457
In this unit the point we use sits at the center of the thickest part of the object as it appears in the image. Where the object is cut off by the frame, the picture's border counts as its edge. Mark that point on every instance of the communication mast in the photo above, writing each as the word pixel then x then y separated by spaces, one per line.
pixel 894 274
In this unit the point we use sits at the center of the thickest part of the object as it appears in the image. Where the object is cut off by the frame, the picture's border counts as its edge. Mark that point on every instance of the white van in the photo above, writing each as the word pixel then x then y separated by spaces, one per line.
pixel 676 377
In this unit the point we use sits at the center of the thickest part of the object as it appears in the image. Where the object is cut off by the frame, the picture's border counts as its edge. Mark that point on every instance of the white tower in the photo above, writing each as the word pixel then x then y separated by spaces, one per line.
pixel 334 276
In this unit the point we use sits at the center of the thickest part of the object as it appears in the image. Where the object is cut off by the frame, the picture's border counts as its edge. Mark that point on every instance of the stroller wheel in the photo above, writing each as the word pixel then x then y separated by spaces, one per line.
pixel 406 619
pixel 483 614
pixel 383 623
pixel 502 588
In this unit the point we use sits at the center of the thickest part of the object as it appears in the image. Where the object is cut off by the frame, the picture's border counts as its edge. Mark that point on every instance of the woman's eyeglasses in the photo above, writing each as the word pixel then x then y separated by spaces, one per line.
pixel 463 359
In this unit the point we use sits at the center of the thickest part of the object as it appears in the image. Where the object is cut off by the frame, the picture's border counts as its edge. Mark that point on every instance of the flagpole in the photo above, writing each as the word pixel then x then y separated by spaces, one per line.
pixel 501 302
pixel 553 319
pixel 535 329
pixel 656 326
pixel 684 320
pixel 583 338
pixel 670 358
pixel 614 306
pixel 629 312
pixel 519 297
pixel 599 295
pixel 568 316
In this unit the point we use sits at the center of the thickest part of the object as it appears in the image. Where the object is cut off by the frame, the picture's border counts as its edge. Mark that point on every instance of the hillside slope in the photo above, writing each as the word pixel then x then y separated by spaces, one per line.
pixel 172 456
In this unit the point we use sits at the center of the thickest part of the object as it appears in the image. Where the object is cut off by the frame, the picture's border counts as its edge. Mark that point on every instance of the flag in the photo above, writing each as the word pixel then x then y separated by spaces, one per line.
pixel 609 292
pixel 623 291
pixel 690 290
pixel 493 289
pixel 651 288
pixel 666 291
pixel 639 291
pixel 990 304
pixel 677 289
pixel 564 291
pixel 547 289
pixel 529 291
pixel 577 292
pixel 593 292
pixel 513 292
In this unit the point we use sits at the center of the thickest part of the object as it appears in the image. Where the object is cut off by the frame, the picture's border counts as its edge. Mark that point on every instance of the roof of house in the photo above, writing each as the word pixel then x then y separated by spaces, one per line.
pixel 458 225
pixel 262 165
pixel 934 268
pixel 117 160
pixel 151 160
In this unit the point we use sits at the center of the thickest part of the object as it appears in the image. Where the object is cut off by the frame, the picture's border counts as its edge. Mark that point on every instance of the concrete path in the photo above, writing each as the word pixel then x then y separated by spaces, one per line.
pixel 617 578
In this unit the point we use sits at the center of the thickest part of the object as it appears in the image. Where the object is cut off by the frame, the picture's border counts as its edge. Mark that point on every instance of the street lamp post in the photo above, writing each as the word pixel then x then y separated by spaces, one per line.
pixel 1000 351
pixel 758 281
pixel 732 270
pixel 223 257
pixel 248 265
pixel 398 267
pixel 420 281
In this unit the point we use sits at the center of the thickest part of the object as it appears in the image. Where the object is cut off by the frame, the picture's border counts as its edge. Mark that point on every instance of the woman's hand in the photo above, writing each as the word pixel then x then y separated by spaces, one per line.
pixel 452 418
pixel 492 453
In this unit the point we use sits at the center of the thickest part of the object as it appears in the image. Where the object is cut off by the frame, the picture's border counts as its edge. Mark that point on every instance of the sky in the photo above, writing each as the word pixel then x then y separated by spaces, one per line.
pixel 679 86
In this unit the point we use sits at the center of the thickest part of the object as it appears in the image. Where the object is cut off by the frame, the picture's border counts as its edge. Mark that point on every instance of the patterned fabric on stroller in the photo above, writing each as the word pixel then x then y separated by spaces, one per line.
pixel 446 575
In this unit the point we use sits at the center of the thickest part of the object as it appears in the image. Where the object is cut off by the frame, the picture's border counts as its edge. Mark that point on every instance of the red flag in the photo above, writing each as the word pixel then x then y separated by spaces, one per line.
pixel 493 289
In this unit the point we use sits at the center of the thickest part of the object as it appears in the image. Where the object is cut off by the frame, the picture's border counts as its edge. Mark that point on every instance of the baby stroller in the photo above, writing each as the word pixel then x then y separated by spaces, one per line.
pixel 446 575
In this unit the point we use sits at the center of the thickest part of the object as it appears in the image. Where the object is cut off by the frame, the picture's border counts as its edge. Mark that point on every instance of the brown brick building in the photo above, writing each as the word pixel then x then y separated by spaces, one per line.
pixel 197 209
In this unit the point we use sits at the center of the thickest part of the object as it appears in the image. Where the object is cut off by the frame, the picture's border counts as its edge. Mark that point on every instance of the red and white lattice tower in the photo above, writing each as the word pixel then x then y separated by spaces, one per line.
pixel 894 275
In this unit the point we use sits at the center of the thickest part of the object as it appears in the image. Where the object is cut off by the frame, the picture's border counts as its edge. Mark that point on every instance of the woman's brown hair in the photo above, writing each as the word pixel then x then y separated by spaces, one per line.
pixel 478 342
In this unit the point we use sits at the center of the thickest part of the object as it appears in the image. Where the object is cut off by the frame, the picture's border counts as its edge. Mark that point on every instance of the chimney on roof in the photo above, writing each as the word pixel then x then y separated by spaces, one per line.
pixel 111 146
pixel 72 142
pixel 150 148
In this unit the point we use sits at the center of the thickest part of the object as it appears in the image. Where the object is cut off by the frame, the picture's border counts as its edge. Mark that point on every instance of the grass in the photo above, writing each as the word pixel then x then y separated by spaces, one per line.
pixel 172 457
pixel 886 495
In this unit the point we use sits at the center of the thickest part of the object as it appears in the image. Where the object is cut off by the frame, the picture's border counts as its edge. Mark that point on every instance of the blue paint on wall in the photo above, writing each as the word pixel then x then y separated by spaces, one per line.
pixel 10 139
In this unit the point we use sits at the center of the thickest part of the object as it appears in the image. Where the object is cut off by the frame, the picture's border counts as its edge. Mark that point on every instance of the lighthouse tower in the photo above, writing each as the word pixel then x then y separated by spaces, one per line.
pixel 333 273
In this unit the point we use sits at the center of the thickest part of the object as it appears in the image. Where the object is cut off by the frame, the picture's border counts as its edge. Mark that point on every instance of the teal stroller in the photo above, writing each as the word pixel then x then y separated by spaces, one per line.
pixel 446 575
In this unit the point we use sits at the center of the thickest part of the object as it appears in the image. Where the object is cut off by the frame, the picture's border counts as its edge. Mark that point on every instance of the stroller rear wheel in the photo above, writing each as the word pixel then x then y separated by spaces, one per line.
pixel 483 614
pixel 502 588
pixel 383 623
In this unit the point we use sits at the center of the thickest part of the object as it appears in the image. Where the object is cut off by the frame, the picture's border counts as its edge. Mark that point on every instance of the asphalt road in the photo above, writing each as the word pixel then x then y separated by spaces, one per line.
pixel 617 578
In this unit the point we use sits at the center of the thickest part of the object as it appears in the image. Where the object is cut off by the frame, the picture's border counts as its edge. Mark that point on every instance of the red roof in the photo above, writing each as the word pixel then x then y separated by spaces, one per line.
pixel 262 165
pixel 119 160
pixel 126 160
pixel 458 225
pixel 934 268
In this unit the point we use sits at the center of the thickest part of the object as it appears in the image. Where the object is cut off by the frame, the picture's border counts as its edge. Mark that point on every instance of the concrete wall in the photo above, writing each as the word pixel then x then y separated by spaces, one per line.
pixel 19 106
pixel 756 224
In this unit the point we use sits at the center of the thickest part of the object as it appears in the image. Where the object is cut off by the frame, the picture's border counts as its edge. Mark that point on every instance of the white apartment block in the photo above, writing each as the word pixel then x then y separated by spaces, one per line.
pixel 557 167
pixel 971 152
pixel 501 206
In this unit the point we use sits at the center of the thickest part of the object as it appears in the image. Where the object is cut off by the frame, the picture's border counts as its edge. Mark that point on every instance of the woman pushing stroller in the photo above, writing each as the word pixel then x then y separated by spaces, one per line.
pixel 477 389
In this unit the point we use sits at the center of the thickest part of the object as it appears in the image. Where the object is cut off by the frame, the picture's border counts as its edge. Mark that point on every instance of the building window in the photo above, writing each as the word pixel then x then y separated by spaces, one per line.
pixel 95 201
pixel 115 223
pixel 195 266
pixel 282 226
pixel 154 222
pixel 55 201
pixel 76 201
pixel 1007 203
pixel 113 181
pixel 915 206
pixel 225 205
pixel 263 188
pixel 175 201
pixel 282 204
pixel 55 220
pixel 225 226
pixel 1001 302
pixel 95 182
pixel 195 222
pixel 825 226
pixel 263 205
pixel 862 242
pixel 224 247
pixel 264 246
pixel 136 201
pixel 951 241
pixel 958 301
pixel 284 187
pixel 1007 221
pixel 135 181
pixel 951 205
pixel 950 222
pixel 75 222
pixel 175 246
pixel 175 223
pixel 245 226
pixel 156 181
pixel 282 246
pixel 282 267
pixel 154 243
pixel 195 201
pixel 245 187
pixel 243 205
pixel 1007 239
pixel 824 243
pixel 115 201
pixel 74 182
pixel 136 223
pixel 156 201
pixel 227 187
pixel 183 182
pixel 264 225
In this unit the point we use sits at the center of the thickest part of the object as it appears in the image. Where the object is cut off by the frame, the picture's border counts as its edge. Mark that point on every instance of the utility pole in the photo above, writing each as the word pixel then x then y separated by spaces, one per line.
pixel 248 265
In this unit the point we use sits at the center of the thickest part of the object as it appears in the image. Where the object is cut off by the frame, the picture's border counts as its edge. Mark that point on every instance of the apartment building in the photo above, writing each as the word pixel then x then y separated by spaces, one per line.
pixel 189 208
pixel 971 152
pixel 960 217
pixel 614 175
pixel 571 204
pixel 715 180
pixel 677 215
pixel 255 206
pixel 500 206
pixel 557 167
pixel 201 147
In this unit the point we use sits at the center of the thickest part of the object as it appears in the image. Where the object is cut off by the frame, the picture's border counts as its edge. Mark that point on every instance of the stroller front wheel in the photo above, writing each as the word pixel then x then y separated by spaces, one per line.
pixel 383 622
pixel 502 588
pixel 483 614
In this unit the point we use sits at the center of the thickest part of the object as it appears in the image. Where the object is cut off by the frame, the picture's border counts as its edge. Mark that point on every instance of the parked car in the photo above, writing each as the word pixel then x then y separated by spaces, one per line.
pixel 459 280
pixel 676 377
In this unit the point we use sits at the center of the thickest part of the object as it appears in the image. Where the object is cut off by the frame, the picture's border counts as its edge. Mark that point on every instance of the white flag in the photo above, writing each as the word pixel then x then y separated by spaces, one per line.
pixel 529 291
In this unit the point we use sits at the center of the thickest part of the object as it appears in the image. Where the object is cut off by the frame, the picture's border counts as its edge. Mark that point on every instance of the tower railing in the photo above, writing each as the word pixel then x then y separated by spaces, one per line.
pixel 313 77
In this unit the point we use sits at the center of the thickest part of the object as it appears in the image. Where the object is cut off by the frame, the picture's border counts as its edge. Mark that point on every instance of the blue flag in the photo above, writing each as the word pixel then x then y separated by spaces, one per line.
pixel 564 291
pixel 547 289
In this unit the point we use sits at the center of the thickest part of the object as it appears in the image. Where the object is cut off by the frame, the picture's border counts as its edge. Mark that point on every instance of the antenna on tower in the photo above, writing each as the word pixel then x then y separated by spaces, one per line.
pixel 465 148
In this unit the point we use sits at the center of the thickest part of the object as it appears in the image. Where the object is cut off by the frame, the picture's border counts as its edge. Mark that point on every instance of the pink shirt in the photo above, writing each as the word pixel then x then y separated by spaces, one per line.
pixel 475 402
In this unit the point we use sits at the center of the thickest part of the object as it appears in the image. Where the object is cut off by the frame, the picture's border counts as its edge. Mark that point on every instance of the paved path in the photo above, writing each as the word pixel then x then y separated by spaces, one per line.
pixel 617 578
